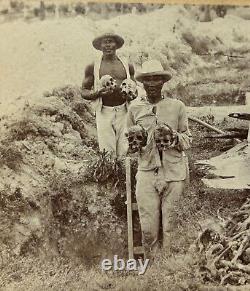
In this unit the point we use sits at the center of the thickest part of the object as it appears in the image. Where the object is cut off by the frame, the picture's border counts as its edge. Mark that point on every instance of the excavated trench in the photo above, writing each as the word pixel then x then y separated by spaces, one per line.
pixel 56 197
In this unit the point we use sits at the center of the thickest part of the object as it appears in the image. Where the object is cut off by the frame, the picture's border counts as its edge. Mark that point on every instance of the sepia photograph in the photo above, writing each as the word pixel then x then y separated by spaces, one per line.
pixel 124 146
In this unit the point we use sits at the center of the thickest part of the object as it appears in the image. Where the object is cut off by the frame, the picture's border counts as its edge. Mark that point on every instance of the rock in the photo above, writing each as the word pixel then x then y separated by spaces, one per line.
pixel 59 165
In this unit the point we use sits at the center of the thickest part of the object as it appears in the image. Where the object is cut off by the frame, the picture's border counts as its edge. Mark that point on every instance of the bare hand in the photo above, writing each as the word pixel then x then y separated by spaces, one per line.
pixel 104 92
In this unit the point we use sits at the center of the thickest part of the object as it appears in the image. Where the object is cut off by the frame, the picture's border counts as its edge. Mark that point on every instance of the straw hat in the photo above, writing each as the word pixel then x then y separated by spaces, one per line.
pixel 153 68
pixel 98 40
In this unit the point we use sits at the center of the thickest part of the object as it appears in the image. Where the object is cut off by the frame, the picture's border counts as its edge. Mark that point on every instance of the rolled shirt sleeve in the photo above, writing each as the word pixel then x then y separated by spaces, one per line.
pixel 183 135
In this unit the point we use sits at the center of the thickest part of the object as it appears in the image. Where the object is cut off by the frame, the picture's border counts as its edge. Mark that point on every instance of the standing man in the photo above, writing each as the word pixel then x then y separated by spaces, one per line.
pixel 109 104
pixel 162 166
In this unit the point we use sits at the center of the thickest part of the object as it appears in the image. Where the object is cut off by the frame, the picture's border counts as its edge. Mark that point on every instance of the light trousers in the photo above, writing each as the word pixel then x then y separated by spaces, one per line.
pixel 111 122
pixel 155 196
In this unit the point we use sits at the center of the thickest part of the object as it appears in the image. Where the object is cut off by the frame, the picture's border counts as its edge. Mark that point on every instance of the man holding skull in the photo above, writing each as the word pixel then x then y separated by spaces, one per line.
pixel 162 166
pixel 103 85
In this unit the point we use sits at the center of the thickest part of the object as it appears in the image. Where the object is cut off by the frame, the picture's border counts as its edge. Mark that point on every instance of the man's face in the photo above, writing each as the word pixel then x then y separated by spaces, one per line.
pixel 153 85
pixel 108 46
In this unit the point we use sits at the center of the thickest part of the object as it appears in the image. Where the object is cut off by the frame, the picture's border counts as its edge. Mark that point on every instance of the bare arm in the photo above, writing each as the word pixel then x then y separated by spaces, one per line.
pixel 88 91
pixel 88 84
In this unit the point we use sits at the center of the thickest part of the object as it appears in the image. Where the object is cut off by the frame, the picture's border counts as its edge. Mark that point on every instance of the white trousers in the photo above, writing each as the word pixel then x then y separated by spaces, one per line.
pixel 111 123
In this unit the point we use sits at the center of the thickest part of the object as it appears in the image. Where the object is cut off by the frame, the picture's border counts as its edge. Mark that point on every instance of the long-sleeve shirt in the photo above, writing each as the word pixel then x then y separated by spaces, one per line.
pixel 173 113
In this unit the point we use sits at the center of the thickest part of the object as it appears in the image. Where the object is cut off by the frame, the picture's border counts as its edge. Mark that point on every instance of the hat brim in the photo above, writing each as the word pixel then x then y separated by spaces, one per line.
pixel 98 40
pixel 165 75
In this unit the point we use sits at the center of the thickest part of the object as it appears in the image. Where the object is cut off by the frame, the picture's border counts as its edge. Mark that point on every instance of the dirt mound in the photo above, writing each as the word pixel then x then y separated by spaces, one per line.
pixel 48 202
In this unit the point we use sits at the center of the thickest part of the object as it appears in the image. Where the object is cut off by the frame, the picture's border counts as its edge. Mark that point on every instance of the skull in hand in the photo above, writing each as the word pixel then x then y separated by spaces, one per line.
pixel 137 138
pixel 108 82
pixel 129 89
pixel 164 136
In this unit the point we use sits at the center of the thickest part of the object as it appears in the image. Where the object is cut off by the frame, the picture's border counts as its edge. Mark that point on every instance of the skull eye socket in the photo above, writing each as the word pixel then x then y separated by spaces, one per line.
pixel 139 137
pixel 130 138
pixel 166 140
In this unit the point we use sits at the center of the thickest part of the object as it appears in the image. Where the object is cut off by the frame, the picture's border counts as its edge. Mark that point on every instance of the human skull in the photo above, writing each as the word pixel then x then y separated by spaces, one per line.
pixel 137 138
pixel 108 82
pixel 163 136
pixel 129 89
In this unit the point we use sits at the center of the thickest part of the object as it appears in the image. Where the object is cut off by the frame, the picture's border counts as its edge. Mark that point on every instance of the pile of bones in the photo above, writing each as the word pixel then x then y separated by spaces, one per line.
pixel 226 253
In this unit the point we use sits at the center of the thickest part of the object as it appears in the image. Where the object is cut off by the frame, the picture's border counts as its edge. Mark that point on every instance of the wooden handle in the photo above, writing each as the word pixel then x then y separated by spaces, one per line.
pixel 210 126
pixel 129 209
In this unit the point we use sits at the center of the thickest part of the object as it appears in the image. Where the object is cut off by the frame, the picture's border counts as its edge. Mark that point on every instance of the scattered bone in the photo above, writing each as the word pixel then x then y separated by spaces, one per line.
pixel 234 275
pixel 227 254
pixel 236 266
pixel 241 249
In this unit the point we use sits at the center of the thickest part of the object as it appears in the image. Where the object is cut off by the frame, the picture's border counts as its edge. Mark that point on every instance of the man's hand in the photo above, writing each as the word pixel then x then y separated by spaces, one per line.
pixel 93 95
pixel 104 92
pixel 107 91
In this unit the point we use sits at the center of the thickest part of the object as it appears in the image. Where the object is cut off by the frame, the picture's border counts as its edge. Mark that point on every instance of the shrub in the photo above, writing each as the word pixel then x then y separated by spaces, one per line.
pixel 199 45
pixel 80 8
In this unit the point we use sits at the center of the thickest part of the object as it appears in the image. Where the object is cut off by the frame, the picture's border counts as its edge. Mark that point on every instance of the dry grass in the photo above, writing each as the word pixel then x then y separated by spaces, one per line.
pixel 199 45
pixel 173 273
